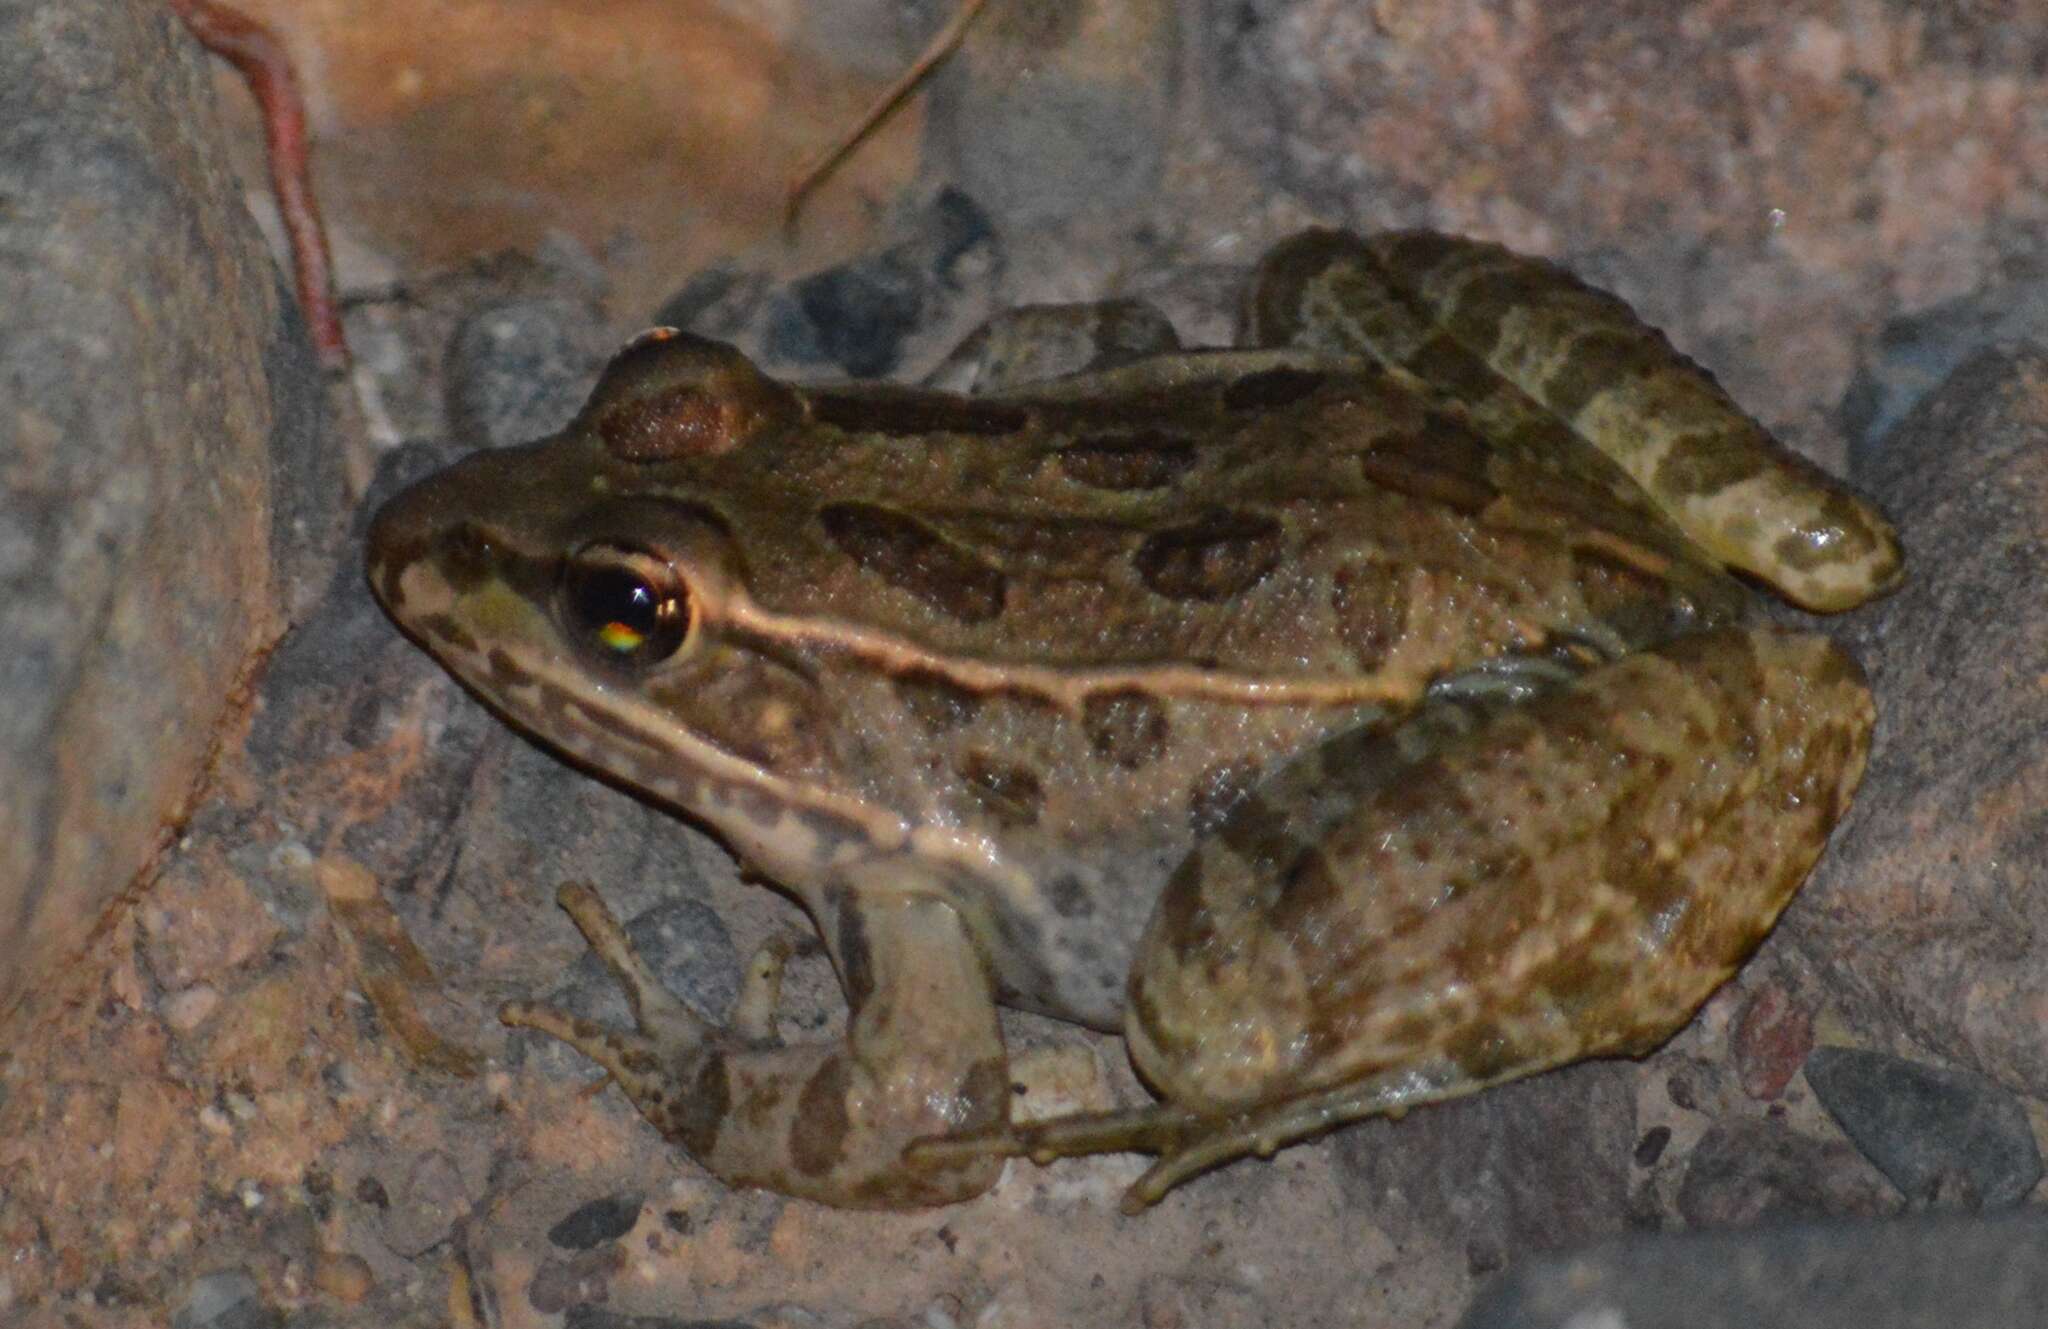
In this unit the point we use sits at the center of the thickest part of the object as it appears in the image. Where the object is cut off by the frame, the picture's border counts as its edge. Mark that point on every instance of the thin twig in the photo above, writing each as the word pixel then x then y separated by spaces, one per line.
pixel 264 65
pixel 814 173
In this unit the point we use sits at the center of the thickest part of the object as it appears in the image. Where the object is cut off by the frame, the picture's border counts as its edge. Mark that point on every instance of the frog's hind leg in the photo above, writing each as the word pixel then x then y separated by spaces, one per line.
pixel 1187 1142
pixel 1537 356
pixel 830 1121
pixel 1481 893
pixel 1190 1142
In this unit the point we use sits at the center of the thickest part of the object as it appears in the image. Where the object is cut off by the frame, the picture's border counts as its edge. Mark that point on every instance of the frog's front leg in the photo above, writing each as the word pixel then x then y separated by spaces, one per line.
pixel 1477 895
pixel 827 1122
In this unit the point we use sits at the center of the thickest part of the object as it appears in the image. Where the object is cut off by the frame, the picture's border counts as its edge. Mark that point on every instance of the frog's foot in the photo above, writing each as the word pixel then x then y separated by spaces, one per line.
pixel 824 1121
pixel 1186 1142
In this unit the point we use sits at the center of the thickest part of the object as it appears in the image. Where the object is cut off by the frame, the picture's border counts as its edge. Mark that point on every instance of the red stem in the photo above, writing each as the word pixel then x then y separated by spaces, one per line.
pixel 256 54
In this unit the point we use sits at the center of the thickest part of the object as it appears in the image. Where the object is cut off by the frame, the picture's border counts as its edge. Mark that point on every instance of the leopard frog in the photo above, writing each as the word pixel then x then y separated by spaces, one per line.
pixel 1354 721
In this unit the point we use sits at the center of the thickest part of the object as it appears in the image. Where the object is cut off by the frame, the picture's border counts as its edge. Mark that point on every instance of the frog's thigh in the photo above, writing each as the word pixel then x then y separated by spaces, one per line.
pixel 1571 877
pixel 922 1055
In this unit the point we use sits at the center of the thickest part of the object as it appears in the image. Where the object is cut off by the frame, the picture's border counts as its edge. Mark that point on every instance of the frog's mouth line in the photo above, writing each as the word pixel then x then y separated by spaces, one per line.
pixel 790 831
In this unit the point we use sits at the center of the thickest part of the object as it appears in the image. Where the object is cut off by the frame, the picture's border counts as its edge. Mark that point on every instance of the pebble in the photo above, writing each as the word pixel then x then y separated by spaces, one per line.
pixel 1945 1138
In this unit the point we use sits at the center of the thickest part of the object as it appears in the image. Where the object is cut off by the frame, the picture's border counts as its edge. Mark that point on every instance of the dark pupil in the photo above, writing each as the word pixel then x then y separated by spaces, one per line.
pixel 608 596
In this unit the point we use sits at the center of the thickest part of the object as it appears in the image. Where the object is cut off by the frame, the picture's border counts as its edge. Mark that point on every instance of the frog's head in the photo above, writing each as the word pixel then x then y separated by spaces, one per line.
pixel 589 588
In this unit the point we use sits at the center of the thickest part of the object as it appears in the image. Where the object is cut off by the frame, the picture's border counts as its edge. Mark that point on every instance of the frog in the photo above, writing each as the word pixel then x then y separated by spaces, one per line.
pixel 1354 718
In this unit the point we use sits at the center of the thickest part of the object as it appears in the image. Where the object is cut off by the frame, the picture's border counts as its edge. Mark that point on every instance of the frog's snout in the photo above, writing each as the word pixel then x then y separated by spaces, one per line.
pixel 431 522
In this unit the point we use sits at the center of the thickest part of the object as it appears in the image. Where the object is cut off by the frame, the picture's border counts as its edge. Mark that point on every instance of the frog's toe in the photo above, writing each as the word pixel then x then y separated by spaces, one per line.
pixel 657 1012
pixel 619 1051
pixel 753 1015
pixel 828 1121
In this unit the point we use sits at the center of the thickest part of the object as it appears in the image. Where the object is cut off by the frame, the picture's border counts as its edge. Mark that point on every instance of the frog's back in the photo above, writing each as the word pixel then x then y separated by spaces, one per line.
pixel 1341 532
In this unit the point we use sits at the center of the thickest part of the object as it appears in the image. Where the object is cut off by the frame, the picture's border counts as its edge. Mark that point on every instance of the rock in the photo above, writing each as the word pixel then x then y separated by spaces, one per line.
pixel 596 1317
pixel 1746 1172
pixel 604 1219
pixel 1916 354
pixel 151 373
pixel 432 1196
pixel 225 1300
pixel 1944 1137
pixel 1951 1272
pixel 1627 145
pixel 1049 112
pixel 518 369
pixel 1929 914
pixel 1771 1039
pixel 344 1277
pixel 1533 1165
pixel 894 309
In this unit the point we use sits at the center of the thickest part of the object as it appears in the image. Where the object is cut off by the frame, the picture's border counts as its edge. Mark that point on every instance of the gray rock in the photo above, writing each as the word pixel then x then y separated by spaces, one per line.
pixel 518 369
pixel 1944 1137
pixel 150 372
pixel 1929 913
pixel 603 1219
pixel 1746 1172
pixel 1951 1273
pixel 1045 115
pixel 225 1300
pixel 1915 355
pixel 1535 1165
pixel 895 308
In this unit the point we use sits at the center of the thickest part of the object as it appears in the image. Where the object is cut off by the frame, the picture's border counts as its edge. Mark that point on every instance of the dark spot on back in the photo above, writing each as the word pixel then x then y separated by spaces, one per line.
pixel 1010 794
pixel 1217 792
pixel 1184 924
pixel 1270 388
pixel 817 1138
pixel 1145 460
pixel 1370 601
pixel 912 557
pixel 1442 462
pixel 1224 553
pixel 1258 832
pixel 937 701
pixel 856 959
pixel 905 413
pixel 1127 728
pixel 1307 888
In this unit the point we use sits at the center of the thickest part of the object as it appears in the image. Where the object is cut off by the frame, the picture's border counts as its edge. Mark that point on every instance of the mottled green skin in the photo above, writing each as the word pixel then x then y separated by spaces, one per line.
pixel 1533 352
pixel 1357 722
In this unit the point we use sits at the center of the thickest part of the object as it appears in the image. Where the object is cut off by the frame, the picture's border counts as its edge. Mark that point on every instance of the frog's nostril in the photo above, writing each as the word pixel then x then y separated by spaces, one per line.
pixel 465 554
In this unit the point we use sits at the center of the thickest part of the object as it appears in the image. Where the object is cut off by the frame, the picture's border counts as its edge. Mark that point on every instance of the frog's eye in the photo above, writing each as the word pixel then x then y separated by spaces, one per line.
pixel 626 605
